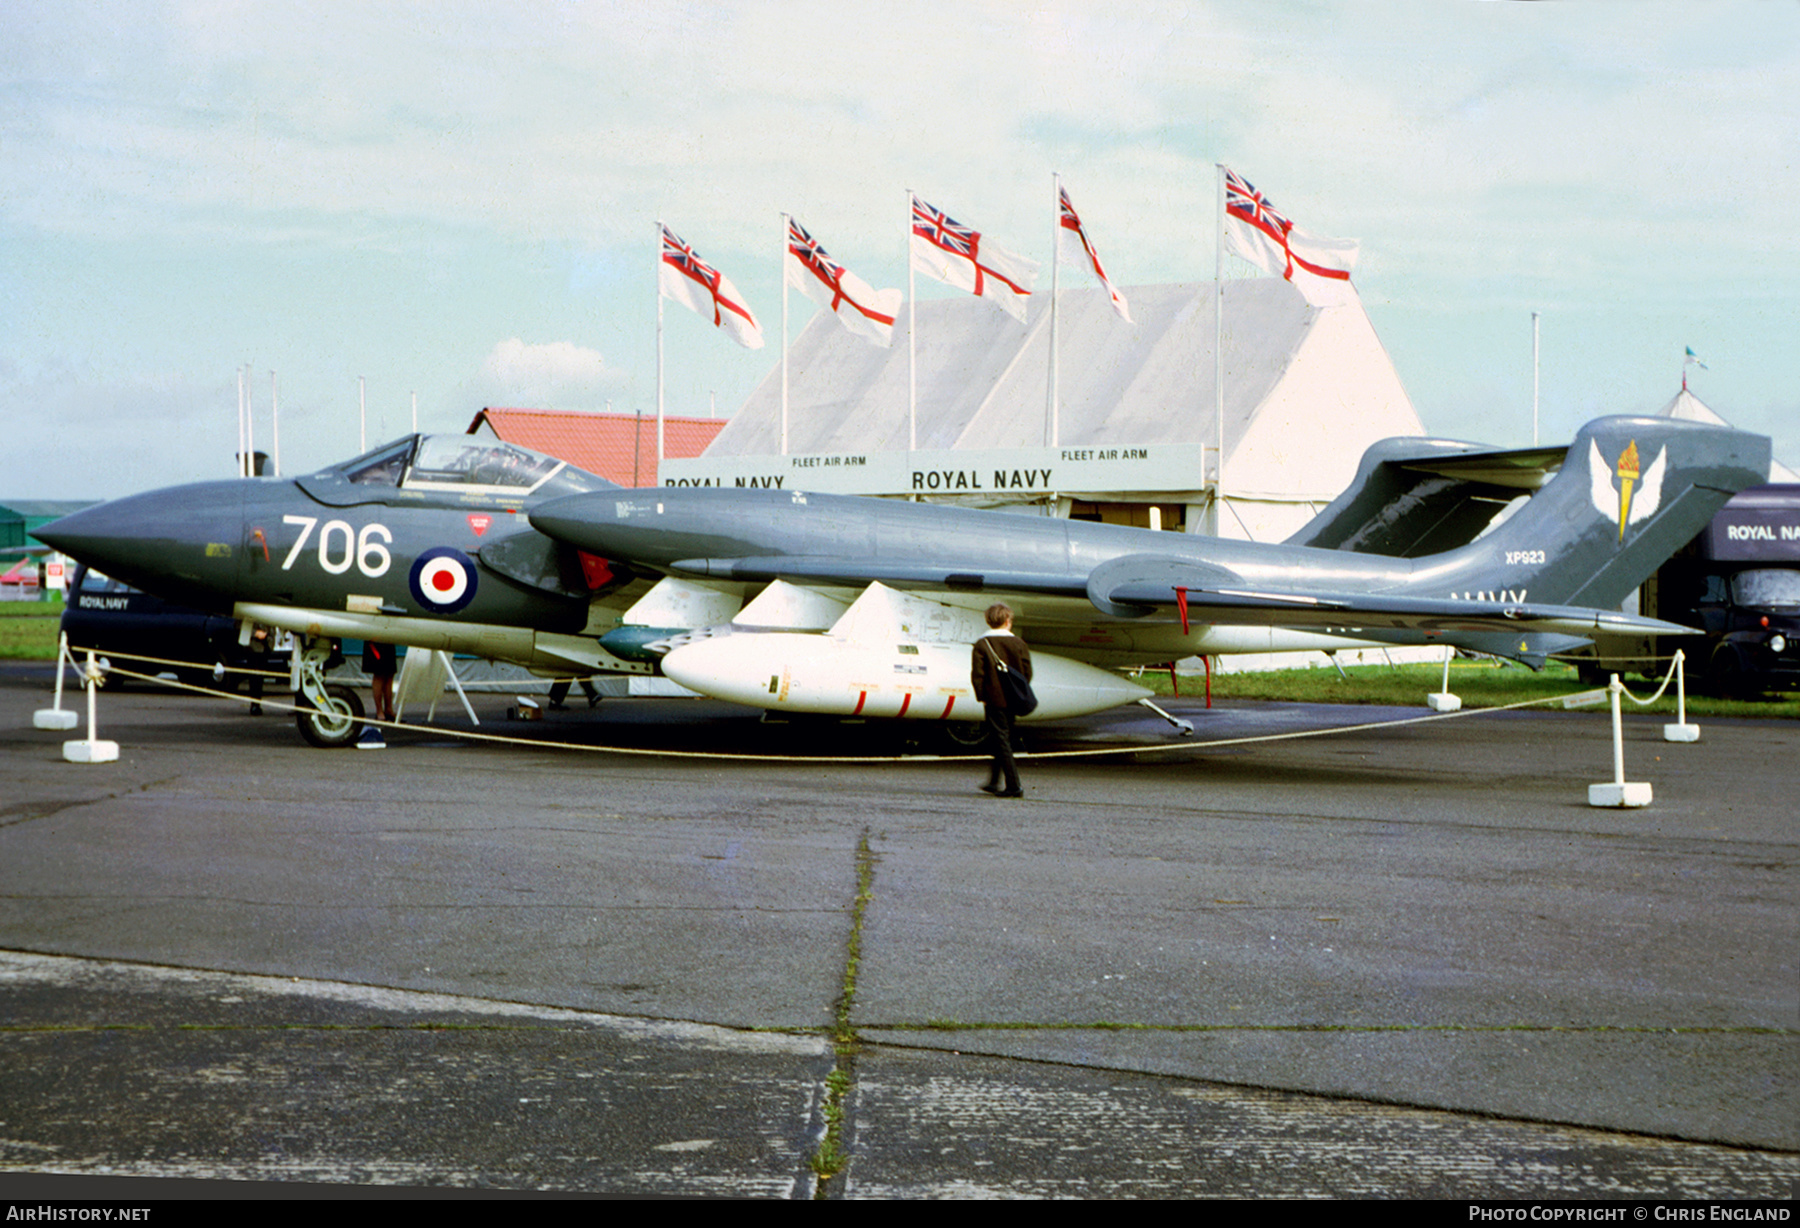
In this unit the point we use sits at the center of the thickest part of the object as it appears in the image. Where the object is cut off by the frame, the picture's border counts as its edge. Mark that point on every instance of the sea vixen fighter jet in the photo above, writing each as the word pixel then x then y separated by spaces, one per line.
pixel 796 602
pixel 1390 562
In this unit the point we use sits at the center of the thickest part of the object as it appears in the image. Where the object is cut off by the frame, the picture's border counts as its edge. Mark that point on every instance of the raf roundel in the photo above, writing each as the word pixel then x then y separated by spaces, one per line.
pixel 443 580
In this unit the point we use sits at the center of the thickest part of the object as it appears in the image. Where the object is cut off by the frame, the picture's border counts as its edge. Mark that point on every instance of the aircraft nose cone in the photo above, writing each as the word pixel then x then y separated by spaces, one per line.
pixel 183 543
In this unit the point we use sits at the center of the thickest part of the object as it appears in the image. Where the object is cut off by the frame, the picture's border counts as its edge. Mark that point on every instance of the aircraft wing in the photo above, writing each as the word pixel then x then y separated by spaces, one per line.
pixel 839 571
pixel 1142 585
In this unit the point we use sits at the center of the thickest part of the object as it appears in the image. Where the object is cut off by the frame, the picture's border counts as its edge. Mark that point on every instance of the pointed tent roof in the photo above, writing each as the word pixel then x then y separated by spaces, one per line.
pixel 1306 389
pixel 1690 408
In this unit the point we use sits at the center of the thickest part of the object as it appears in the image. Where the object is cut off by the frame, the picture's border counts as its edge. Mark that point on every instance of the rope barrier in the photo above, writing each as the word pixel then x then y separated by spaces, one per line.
pixel 745 756
pixel 197 666
pixel 479 687
pixel 1674 664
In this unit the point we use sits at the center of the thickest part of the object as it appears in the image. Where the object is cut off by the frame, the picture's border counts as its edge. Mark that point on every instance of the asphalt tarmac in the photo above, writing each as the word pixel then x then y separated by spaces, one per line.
pixel 1407 961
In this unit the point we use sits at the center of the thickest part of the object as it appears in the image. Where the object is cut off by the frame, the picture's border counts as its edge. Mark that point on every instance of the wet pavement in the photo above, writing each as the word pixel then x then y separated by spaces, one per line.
pixel 1408 961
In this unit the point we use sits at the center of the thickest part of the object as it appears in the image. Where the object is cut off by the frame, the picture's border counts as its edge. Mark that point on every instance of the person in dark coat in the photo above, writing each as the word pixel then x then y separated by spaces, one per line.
pixel 380 662
pixel 999 647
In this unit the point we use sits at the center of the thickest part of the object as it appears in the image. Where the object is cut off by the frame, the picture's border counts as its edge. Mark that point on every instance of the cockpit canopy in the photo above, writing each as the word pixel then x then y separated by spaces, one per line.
pixel 457 466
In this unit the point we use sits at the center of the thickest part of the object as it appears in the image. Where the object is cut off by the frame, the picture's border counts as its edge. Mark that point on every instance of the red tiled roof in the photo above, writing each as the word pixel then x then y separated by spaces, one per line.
pixel 601 443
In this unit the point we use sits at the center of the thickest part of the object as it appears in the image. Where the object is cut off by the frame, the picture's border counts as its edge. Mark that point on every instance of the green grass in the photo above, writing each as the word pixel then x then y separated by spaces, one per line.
pixel 1480 684
pixel 28 629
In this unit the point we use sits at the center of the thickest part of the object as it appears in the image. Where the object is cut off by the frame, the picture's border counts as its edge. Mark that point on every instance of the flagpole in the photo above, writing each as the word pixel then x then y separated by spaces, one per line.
pixel 781 272
pixel 912 337
pixel 660 229
pixel 238 460
pixel 1219 357
pixel 1534 379
pixel 1055 301
pixel 275 421
pixel 249 423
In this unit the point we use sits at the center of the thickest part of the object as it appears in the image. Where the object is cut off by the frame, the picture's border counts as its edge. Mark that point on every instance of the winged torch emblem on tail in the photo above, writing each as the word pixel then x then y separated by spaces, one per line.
pixel 1648 482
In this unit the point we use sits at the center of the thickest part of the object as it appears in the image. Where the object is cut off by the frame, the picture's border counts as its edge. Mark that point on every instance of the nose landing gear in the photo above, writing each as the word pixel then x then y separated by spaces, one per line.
pixel 328 714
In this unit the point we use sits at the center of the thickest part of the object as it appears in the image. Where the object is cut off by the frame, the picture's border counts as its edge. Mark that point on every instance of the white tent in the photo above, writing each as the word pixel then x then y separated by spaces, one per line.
pixel 1306 391
pixel 1690 408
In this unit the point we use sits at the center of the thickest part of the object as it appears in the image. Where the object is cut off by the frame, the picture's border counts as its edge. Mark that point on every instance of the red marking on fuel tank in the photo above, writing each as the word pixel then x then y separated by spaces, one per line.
pixel 862 697
pixel 905 703
pixel 946 713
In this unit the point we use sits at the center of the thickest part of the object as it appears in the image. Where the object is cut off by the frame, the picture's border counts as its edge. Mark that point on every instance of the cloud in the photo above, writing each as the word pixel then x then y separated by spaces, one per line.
pixel 80 438
pixel 556 374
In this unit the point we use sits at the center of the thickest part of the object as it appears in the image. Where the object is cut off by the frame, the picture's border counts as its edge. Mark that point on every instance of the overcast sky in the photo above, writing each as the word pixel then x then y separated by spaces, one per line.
pixel 460 199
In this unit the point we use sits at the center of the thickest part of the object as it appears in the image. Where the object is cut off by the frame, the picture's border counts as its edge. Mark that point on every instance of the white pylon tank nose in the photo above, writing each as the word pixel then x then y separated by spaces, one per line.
pixel 828 676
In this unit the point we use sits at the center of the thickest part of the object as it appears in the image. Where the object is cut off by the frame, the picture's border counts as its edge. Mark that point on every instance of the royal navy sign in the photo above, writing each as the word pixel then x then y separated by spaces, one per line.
pixel 1006 473
pixel 1755 534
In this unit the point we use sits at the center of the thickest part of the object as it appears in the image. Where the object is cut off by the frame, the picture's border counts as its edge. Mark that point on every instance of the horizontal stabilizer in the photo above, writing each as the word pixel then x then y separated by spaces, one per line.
pixel 1413 497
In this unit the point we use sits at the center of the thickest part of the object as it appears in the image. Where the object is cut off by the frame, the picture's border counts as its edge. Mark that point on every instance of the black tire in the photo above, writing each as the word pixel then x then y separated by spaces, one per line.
pixel 965 737
pixel 1728 677
pixel 328 732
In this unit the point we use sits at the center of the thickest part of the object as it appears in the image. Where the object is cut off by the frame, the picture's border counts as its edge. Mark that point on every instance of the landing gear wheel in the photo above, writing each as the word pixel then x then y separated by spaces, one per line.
pixel 965 737
pixel 1729 678
pixel 341 725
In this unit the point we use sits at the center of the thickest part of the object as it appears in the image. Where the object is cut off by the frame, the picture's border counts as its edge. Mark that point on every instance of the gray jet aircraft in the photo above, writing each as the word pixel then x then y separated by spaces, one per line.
pixel 847 606
pixel 1390 562
pixel 421 542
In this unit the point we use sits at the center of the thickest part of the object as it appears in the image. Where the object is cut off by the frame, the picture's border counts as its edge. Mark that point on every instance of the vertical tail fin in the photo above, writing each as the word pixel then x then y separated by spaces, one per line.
pixel 1631 492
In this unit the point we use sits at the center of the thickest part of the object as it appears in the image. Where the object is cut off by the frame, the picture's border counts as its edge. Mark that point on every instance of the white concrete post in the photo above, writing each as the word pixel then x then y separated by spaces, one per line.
pixel 93 750
pixel 1444 701
pixel 1620 793
pixel 56 716
pixel 1681 731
